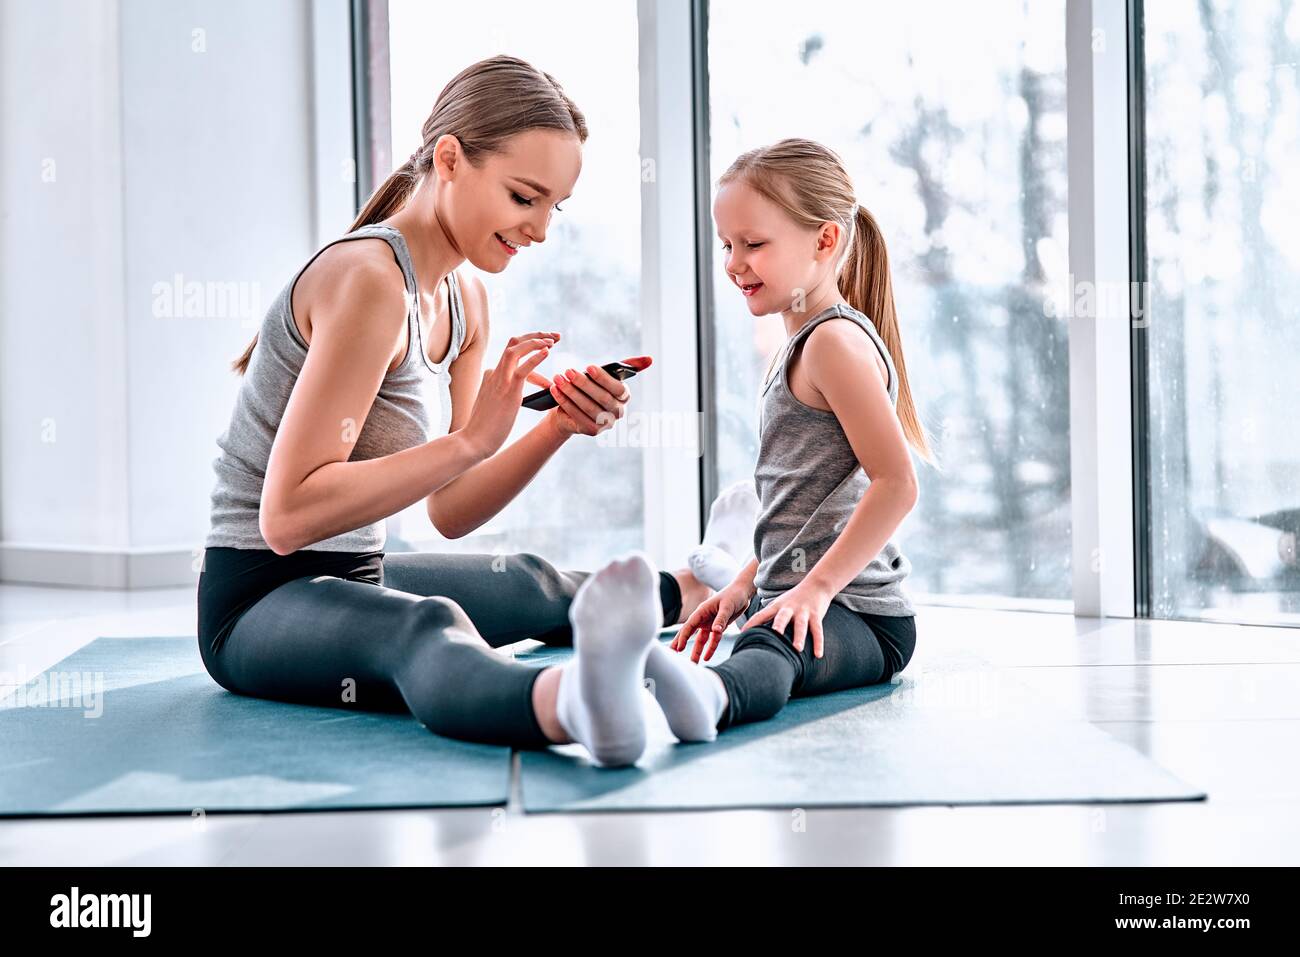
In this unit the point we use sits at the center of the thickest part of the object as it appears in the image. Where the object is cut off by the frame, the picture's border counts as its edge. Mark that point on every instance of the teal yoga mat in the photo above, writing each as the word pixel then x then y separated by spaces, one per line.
pixel 956 731
pixel 167 738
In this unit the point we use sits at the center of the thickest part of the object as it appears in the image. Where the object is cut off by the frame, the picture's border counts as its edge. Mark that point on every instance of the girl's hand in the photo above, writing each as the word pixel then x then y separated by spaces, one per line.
pixel 497 404
pixel 805 605
pixel 710 619
pixel 589 403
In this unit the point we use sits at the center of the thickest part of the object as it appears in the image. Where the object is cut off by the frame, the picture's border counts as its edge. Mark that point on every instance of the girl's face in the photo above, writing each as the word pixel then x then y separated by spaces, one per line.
pixel 495 211
pixel 767 255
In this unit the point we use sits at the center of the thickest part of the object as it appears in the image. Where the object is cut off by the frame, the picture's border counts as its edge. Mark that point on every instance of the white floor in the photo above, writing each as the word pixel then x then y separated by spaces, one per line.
pixel 1218 705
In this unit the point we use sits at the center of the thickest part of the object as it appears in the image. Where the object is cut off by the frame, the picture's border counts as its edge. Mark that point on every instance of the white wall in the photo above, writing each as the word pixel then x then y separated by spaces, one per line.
pixel 62 387
pixel 182 138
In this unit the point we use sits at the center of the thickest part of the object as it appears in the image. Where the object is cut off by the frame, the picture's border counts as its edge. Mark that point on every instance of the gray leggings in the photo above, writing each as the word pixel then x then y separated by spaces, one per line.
pixel 764 671
pixel 417 637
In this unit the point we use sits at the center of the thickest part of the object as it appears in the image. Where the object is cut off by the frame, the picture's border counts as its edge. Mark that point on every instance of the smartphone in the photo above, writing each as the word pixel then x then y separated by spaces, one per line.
pixel 542 400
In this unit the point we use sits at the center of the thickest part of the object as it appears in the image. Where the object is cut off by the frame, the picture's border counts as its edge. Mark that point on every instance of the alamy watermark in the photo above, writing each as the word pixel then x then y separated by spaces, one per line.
pixel 192 299
pixel 1086 299
pixel 55 689
pixel 129 911
pixel 652 430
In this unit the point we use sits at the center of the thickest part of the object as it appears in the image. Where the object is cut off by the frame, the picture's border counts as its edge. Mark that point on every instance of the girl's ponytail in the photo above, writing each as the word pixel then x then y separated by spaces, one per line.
pixel 866 284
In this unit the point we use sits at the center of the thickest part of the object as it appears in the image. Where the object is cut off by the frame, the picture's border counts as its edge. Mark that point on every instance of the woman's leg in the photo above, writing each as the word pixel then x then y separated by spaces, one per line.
pixel 339 643
pixel 764 670
pixel 513 597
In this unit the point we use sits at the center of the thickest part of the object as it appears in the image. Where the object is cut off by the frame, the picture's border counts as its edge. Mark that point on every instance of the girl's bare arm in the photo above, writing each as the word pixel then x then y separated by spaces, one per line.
pixel 841 364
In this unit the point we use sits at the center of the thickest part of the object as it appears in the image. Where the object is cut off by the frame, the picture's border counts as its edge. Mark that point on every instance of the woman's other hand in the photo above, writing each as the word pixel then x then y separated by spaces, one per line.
pixel 497 404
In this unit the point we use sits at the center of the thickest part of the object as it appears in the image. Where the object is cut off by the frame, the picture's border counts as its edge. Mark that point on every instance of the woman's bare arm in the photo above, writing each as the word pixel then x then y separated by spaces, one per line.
pixel 311 491
pixel 469 500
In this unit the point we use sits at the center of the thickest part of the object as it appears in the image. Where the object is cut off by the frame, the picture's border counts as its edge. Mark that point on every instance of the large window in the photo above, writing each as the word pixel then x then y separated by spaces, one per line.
pixel 1222 207
pixel 587 503
pixel 951 119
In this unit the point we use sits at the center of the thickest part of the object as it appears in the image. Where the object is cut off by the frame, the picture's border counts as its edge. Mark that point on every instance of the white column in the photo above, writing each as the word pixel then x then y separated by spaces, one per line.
pixel 669 390
pixel 1101 417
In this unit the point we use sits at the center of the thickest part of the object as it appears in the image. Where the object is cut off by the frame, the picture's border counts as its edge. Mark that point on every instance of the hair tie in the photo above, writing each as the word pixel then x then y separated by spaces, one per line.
pixel 413 156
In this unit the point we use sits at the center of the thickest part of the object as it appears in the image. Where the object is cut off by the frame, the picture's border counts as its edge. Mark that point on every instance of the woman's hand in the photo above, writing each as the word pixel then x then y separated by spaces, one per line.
pixel 589 403
pixel 499 396
pixel 710 619
pixel 805 605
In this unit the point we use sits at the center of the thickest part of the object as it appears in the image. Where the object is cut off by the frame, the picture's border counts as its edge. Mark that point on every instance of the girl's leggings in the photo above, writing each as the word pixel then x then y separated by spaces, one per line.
pixel 764 671
pixel 402 632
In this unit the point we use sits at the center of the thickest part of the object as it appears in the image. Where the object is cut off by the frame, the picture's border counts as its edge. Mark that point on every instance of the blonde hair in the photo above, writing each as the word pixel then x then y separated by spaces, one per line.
pixel 482 106
pixel 809 183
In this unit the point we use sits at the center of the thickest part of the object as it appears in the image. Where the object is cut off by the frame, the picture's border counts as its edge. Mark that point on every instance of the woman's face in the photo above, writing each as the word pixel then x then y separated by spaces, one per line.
pixel 496 210
pixel 769 257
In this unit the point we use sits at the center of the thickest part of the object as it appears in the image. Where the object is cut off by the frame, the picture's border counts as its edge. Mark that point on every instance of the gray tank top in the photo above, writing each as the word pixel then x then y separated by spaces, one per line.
pixel 412 407
pixel 808 481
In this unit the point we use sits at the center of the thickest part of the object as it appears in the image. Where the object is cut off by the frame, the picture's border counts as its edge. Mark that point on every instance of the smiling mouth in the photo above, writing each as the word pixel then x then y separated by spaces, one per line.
pixel 512 248
pixel 750 288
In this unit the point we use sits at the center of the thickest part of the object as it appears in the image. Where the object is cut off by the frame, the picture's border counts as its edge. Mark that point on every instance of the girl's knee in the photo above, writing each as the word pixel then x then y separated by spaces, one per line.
pixel 765 638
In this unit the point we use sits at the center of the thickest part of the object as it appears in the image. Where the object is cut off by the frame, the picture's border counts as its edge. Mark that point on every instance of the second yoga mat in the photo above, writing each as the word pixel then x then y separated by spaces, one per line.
pixel 946 732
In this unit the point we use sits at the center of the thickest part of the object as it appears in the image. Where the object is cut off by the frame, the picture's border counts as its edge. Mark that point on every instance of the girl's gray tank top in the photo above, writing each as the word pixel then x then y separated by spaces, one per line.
pixel 808 481
pixel 411 408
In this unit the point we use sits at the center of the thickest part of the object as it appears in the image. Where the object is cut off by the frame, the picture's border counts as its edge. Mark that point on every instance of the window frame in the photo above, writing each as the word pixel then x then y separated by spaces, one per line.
pixel 1109 398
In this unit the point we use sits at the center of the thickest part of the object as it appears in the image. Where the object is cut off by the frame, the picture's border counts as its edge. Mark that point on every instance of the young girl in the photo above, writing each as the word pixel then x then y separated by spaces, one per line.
pixel 823 592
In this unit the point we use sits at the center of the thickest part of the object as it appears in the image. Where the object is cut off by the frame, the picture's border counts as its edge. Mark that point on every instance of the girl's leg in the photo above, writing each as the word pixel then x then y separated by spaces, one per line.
pixel 764 670
pixel 340 643
pixel 513 597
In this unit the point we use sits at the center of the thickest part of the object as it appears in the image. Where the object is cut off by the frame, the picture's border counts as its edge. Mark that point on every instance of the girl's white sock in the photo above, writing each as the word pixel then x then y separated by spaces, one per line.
pixel 691 695
pixel 729 536
pixel 615 615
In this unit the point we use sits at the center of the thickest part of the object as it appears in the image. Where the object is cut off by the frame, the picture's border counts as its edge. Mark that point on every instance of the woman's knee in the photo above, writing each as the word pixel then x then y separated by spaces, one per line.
pixel 436 615
pixel 547 577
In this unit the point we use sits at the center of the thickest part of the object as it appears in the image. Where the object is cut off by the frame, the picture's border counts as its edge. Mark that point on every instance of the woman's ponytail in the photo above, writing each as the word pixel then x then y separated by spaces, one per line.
pixel 482 106
pixel 392 193
pixel 386 200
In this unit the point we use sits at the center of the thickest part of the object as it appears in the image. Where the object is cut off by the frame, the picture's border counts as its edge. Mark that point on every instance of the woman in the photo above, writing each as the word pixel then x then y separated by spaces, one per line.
pixel 331 434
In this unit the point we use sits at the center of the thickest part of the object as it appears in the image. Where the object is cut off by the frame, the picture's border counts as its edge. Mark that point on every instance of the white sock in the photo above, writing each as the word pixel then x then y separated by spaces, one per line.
pixel 729 536
pixel 615 615
pixel 692 696
pixel 713 566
